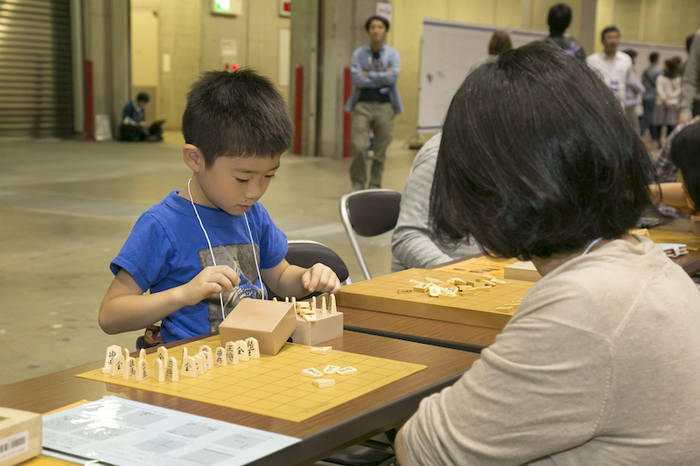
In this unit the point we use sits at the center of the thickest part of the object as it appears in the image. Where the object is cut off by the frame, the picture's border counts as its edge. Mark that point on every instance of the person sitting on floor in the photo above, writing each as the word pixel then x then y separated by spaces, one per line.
pixel 134 126
pixel 599 364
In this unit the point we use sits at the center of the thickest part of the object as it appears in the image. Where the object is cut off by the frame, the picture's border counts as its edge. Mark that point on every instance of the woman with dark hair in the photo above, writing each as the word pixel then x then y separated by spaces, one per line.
pixel 668 91
pixel 500 42
pixel 601 362
pixel 684 195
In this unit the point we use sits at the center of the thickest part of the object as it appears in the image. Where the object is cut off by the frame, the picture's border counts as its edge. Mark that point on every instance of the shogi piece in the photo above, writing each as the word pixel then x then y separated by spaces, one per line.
pixel 253 348
pixel 269 322
pixel 220 356
pixel 20 435
pixel 323 383
pixel 112 351
pixel 312 372
pixel 188 367
pixel 129 368
pixel 348 370
pixel 200 363
pixel 326 327
pixel 163 354
pixel 231 355
pixel 171 372
pixel 142 370
pixel 242 350
pixel 117 365
pixel 159 370
pixel 322 350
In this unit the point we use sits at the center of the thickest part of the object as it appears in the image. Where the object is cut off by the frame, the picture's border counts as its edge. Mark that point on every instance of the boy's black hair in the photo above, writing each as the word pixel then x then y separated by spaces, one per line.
pixel 559 18
pixel 685 154
pixel 236 114
pixel 653 57
pixel 631 53
pixel 142 97
pixel 537 158
pixel 689 42
pixel 610 29
pixel 377 17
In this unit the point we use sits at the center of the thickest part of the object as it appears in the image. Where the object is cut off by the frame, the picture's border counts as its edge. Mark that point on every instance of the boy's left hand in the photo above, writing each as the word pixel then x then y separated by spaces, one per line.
pixel 320 278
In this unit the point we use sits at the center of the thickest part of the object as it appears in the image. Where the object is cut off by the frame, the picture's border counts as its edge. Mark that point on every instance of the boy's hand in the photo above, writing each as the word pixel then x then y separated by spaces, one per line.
pixel 320 278
pixel 209 281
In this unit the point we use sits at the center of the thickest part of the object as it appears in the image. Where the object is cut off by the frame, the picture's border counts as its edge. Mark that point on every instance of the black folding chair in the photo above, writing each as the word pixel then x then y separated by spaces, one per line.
pixel 369 213
pixel 305 253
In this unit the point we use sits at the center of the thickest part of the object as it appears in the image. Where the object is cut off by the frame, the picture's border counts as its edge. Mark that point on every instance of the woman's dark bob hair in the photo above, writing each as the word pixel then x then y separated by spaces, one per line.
pixel 685 154
pixel 537 158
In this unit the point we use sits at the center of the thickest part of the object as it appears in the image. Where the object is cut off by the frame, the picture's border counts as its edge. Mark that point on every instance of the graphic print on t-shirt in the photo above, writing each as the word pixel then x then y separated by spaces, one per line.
pixel 241 259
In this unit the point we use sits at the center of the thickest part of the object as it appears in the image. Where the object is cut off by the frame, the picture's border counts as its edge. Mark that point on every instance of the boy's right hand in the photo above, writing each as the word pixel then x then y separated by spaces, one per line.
pixel 209 281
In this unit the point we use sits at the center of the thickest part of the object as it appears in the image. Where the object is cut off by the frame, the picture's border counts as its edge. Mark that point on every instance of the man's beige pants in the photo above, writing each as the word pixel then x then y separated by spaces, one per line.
pixel 379 117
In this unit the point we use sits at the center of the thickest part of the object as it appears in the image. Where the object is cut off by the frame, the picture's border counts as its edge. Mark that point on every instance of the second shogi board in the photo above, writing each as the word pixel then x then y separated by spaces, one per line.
pixel 381 294
pixel 272 385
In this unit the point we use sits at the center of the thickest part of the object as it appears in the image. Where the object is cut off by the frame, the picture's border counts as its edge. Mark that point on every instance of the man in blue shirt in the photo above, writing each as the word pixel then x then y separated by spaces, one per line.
pixel 134 126
pixel 373 103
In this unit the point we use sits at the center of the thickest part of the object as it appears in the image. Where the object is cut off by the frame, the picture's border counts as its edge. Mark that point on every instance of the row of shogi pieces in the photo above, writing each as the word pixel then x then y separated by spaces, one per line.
pixel 119 362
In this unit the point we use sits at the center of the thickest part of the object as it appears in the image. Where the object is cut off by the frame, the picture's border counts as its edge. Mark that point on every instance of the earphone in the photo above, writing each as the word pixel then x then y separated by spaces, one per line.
pixel 211 251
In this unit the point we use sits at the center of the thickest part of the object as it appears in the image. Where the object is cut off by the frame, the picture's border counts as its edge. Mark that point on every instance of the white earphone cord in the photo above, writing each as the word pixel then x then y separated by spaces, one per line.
pixel 211 251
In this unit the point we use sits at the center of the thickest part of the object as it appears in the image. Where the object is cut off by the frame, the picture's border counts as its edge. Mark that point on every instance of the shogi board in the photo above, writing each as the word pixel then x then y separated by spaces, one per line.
pixel 480 265
pixel 272 385
pixel 381 294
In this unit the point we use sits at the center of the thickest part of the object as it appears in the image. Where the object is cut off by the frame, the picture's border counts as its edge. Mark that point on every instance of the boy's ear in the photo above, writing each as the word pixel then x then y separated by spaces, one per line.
pixel 193 158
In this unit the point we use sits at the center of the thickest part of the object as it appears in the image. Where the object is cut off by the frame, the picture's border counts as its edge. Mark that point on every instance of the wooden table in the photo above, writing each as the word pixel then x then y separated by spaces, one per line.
pixel 321 435
pixel 452 335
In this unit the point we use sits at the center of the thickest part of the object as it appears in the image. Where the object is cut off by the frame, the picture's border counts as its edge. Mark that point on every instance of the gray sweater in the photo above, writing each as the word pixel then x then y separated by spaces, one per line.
pixel 600 365
pixel 412 243
pixel 691 79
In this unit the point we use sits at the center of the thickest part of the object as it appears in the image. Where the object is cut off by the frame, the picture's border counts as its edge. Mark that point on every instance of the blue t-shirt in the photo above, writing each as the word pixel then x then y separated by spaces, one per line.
pixel 167 248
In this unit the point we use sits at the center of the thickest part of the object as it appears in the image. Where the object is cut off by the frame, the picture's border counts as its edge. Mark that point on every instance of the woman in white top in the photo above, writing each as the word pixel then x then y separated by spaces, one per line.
pixel 668 94
pixel 600 364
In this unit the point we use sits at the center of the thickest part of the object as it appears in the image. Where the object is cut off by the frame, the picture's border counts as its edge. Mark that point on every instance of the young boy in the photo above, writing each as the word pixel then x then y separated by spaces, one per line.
pixel 204 248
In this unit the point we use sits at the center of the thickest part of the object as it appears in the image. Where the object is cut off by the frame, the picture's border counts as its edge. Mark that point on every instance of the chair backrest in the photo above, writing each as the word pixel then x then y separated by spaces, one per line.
pixel 305 253
pixel 370 212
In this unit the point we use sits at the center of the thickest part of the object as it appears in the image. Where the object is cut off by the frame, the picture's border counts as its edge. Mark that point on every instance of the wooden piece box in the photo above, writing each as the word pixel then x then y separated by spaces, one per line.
pixel 269 322
pixel 327 327
pixel 20 436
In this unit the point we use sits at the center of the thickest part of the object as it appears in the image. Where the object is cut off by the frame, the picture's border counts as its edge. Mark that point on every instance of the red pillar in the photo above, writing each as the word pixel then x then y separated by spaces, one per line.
pixel 347 118
pixel 298 103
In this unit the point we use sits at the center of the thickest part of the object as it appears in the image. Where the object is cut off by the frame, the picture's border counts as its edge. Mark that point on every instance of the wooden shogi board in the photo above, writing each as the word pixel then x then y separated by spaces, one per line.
pixel 272 385
pixel 381 294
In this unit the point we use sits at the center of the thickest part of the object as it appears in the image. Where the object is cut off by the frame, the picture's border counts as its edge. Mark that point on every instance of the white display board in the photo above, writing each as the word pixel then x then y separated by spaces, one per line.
pixel 450 49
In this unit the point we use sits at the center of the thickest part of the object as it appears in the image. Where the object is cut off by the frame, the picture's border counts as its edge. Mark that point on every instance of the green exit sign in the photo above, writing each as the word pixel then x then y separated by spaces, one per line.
pixel 227 7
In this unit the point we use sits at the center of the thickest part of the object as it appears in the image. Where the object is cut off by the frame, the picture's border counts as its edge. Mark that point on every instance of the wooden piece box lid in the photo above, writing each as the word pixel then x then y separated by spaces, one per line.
pixel 269 322
pixel 20 436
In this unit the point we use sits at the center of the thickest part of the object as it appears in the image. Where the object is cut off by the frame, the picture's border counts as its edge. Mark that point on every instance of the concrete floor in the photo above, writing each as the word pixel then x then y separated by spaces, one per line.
pixel 66 208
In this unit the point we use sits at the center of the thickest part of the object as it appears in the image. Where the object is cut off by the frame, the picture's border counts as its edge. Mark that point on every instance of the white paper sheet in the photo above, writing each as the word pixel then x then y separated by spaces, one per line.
pixel 124 432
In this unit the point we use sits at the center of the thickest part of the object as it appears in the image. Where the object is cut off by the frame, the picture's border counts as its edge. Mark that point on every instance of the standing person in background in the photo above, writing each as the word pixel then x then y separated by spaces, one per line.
pixel 500 42
pixel 373 103
pixel 559 19
pixel 668 93
pixel 634 90
pixel 615 68
pixel 690 102
pixel 688 46
pixel 649 97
